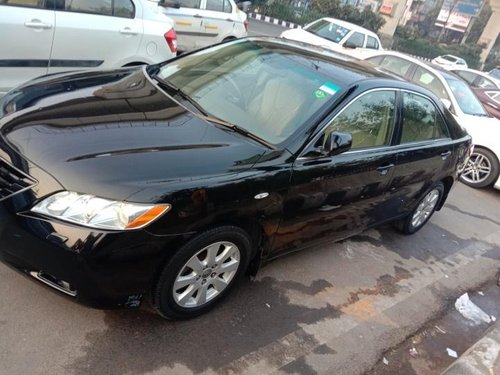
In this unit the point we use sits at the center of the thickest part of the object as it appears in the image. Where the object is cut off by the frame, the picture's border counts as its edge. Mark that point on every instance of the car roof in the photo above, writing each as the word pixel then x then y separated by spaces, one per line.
pixel 347 70
pixel 352 26
pixel 478 72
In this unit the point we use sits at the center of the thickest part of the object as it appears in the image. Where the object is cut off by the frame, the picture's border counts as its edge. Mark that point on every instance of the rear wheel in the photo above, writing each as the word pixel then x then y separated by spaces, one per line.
pixel 481 170
pixel 423 211
pixel 202 272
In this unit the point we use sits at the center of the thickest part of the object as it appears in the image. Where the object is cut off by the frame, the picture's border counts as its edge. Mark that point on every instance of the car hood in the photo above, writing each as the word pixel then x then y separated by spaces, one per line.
pixel 115 133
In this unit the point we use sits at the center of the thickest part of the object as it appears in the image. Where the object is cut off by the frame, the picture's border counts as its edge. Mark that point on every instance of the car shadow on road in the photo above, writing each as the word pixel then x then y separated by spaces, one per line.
pixel 253 316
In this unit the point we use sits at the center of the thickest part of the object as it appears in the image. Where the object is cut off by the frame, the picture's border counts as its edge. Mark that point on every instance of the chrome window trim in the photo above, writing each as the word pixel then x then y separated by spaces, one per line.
pixel 381 147
pixel 315 138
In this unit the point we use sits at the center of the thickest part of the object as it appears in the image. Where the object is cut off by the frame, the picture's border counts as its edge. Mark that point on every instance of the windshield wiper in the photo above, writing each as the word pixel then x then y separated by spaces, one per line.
pixel 205 115
pixel 170 87
pixel 237 129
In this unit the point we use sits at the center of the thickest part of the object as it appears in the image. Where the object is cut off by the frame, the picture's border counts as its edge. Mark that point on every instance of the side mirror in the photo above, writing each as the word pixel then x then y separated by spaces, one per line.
pixel 447 103
pixel 337 143
pixel 169 4
pixel 348 44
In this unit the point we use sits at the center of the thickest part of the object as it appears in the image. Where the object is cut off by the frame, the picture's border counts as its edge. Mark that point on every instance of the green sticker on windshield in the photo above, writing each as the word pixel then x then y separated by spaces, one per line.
pixel 319 94
pixel 330 88
pixel 327 88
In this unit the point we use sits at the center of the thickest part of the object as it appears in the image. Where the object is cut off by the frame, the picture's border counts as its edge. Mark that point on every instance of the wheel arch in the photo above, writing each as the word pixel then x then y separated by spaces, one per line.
pixel 448 183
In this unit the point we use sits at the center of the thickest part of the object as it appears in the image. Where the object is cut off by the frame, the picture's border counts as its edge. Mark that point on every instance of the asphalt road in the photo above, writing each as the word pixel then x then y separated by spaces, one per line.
pixel 259 28
pixel 333 309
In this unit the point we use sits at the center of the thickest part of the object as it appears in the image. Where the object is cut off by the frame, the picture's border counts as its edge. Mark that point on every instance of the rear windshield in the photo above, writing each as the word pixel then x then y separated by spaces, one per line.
pixel 467 100
pixel 268 91
pixel 449 58
pixel 328 30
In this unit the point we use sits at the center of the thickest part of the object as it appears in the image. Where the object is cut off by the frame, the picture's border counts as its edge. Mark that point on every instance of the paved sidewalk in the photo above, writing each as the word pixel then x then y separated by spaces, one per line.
pixel 482 358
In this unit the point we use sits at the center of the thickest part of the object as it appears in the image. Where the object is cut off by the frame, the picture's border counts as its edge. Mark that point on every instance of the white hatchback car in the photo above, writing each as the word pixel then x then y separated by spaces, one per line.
pixel 49 36
pixel 337 35
pixel 201 23
pixel 483 168
pixel 449 61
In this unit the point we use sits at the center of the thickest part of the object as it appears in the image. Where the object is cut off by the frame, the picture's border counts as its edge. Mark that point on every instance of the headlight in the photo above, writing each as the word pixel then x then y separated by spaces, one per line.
pixel 99 213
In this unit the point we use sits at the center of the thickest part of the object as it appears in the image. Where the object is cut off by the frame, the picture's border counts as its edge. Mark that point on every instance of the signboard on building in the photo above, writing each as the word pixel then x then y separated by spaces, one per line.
pixel 456 15
pixel 386 8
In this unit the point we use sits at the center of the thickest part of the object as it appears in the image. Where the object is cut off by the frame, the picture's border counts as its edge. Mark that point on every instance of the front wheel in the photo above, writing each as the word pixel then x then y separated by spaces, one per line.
pixel 202 272
pixel 481 170
pixel 423 211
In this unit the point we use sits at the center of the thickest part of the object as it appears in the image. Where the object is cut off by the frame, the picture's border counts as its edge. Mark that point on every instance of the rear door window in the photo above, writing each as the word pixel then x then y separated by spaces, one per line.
pixel 24 3
pixel 396 65
pixel 430 81
pixel 102 7
pixel 219 6
pixel 356 39
pixel 421 120
pixel 372 42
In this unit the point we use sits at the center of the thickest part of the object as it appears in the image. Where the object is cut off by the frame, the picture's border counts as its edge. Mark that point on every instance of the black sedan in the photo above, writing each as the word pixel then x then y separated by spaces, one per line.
pixel 169 182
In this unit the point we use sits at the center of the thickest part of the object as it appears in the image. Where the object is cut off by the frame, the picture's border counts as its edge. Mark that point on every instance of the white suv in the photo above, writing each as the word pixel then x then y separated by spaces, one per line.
pixel 49 36
pixel 200 23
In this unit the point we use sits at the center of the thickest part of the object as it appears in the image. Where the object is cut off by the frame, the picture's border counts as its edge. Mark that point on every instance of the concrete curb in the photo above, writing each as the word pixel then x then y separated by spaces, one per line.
pixel 275 21
pixel 482 358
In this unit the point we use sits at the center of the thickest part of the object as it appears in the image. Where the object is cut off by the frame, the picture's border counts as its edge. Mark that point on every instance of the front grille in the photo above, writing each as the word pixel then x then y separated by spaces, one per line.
pixel 13 181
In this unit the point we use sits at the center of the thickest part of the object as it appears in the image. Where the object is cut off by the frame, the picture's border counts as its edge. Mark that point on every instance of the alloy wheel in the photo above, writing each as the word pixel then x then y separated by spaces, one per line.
pixel 477 170
pixel 425 208
pixel 206 274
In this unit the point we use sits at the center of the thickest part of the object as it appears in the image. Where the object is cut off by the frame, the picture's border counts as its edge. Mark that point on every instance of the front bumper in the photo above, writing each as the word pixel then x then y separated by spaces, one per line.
pixel 103 270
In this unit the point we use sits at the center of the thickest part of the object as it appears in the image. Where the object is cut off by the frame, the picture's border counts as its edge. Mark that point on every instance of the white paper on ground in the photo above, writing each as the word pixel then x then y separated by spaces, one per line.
pixel 470 310
pixel 452 353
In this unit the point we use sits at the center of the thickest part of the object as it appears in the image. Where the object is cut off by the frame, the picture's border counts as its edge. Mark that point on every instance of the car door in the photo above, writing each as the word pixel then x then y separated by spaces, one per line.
pixel 188 20
pixel 96 33
pixel 27 32
pixel 332 197
pixel 218 21
pixel 424 150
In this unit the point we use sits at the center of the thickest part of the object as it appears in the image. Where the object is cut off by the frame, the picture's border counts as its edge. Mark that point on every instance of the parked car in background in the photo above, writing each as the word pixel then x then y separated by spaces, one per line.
pixel 490 99
pixel 484 167
pixel 449 61
pixel 170 180
pixel 495 73
pixel 477 79
pixel 337 35
pixel 40 37
pixel 200 23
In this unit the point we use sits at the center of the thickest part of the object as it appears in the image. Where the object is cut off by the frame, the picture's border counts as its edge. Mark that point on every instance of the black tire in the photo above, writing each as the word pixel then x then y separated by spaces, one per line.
pixel 483 181
pixel 163 295
pixel 407 225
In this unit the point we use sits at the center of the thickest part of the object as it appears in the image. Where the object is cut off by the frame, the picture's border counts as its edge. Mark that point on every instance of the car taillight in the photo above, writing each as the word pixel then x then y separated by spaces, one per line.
pixel 245 23
pixel 171 38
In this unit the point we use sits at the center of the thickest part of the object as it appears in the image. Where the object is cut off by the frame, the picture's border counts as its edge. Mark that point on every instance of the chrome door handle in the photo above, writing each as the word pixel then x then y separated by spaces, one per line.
pixel 37 24
pixel 384 169
pixel 445 155
pixel 197 16
pixel 230 20
pixel 128 31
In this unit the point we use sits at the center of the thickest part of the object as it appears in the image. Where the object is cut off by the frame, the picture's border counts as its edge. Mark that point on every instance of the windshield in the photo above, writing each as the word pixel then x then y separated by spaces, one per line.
pixel 328 30
pixel 449 58
pixel 467 101
pixel 268 91
pixel 495 73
